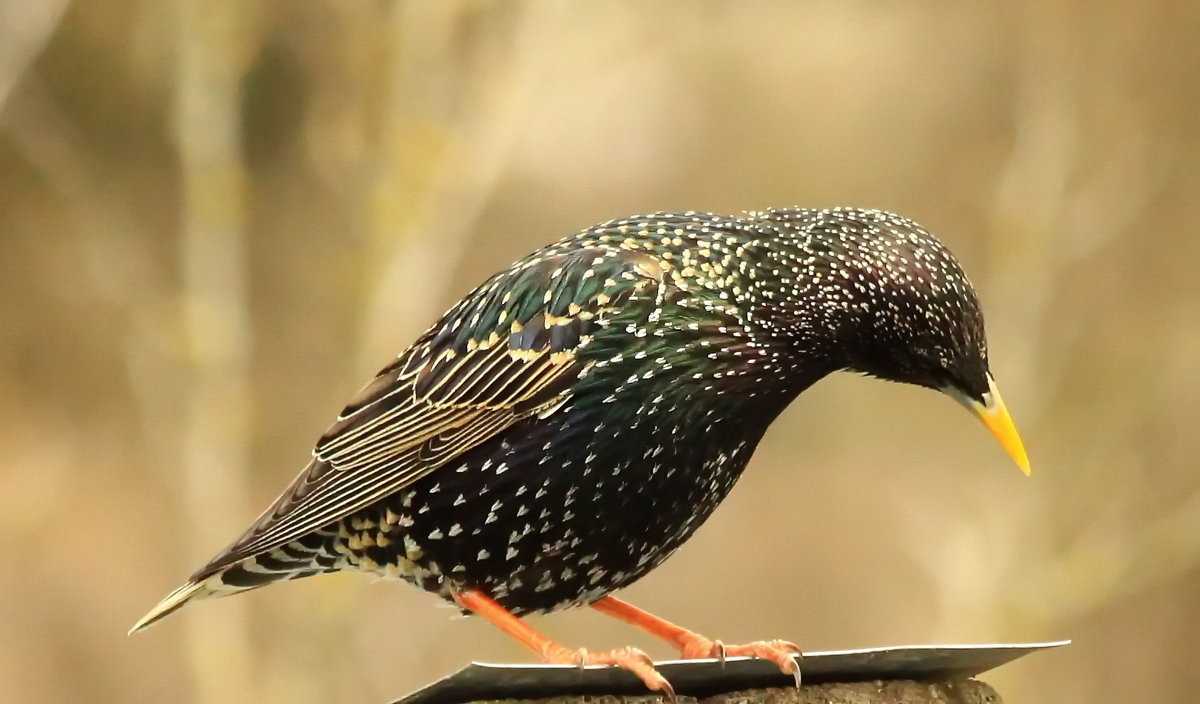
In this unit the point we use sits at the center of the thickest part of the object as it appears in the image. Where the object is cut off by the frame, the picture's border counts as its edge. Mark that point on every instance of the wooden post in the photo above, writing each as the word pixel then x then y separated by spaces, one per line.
pixel 965 691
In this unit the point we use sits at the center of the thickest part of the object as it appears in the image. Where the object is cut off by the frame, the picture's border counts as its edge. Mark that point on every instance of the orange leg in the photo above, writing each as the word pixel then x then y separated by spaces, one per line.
pixel 630 659
pixel 693 645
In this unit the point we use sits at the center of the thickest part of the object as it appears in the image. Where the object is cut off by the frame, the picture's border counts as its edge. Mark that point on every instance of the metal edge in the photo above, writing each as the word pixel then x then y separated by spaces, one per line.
pixel 1027 647
pixel 697 677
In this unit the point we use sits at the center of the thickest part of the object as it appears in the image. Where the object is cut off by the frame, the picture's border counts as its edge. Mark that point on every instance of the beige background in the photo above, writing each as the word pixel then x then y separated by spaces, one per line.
pixel 218 218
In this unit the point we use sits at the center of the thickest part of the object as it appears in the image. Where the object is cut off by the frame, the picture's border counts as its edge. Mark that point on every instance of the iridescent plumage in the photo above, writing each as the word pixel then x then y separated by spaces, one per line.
pixel 568 424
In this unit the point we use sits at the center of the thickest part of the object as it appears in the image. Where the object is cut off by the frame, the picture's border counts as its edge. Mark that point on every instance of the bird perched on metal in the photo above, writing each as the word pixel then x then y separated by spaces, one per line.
pixel 567 425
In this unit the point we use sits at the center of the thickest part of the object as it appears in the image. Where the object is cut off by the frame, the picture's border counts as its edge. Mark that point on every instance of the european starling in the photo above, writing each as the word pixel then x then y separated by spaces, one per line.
pixel 566 426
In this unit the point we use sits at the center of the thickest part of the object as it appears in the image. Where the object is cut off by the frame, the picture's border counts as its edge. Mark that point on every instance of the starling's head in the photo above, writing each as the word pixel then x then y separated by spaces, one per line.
pixel 902 309
pixel 911 315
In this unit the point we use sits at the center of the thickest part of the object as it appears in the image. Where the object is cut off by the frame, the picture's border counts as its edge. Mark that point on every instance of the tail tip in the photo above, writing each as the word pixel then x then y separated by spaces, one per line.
pixel 171 603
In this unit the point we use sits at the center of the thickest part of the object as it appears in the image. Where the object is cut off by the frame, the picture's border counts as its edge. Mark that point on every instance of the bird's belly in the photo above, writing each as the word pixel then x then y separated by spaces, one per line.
pixel 551 514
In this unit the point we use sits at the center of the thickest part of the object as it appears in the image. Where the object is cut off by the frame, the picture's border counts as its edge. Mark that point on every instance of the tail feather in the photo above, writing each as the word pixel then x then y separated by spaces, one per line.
pixel 290 561
pixel 171 603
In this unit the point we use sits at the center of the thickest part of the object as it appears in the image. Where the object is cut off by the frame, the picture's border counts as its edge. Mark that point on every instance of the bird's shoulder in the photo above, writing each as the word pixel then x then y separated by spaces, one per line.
pixel 524 324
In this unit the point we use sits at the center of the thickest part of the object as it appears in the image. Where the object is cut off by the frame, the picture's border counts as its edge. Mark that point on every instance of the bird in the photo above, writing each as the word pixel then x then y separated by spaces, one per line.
pixel 567 425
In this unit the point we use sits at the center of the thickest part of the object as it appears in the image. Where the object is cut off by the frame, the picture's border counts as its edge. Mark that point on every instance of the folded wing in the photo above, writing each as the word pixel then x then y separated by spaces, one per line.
pixel 510 349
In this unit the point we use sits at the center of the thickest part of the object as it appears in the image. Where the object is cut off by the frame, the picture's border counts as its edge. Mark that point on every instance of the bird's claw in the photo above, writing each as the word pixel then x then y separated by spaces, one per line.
pixel 783 653
pixel 632 659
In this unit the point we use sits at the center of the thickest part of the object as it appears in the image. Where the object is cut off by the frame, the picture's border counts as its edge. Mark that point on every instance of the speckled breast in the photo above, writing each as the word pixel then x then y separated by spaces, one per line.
pixel 558 511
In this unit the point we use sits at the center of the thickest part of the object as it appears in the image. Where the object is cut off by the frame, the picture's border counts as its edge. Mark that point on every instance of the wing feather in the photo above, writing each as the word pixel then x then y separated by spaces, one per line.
pixel 508 350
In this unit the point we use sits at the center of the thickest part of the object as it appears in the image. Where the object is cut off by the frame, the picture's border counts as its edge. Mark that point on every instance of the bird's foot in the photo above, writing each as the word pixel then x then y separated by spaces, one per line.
pixel 692 645
pixel 783 653
pixel 628 658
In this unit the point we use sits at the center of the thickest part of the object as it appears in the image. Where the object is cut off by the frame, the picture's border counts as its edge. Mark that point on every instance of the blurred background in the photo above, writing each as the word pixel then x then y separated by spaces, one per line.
pixel 219 218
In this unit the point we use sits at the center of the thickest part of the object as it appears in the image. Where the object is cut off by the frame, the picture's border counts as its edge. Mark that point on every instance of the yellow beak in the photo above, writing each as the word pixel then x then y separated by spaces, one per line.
pixel 995 417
